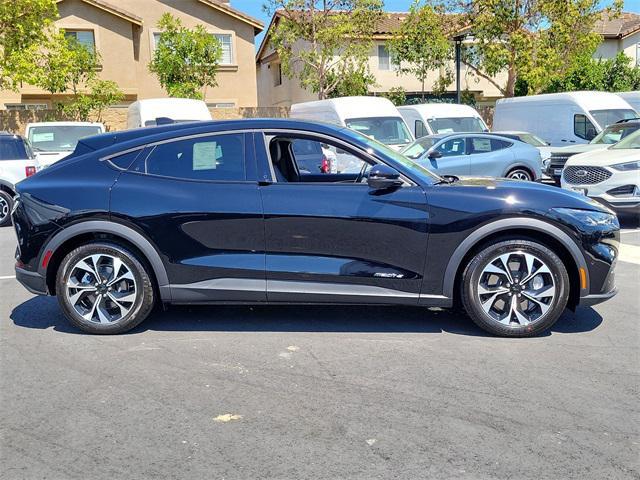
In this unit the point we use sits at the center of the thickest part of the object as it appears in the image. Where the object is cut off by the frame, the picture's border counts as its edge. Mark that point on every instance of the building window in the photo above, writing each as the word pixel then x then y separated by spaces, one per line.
pixel 227 48
pixel 277 74
pixel 83 37
pixel 637 54
pixel 384 59
pixel 226 43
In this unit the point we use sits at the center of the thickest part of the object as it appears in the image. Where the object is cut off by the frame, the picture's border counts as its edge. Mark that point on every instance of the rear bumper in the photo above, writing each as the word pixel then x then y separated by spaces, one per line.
pixel 32 281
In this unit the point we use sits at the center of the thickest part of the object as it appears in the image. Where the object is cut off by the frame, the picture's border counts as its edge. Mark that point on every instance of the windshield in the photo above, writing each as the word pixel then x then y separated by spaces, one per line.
pixel 60 138
pixel 630 142
pixel 607 117
pixel 614 133
pixel 418 170
pixel 387 130
pixel 457 124
pixel 417 148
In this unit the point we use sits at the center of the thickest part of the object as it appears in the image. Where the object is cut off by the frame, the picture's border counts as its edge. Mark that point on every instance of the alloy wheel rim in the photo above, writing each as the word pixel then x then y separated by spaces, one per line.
pixel 101 288
pixel 516 289
pixel 4 208
pixel 519 175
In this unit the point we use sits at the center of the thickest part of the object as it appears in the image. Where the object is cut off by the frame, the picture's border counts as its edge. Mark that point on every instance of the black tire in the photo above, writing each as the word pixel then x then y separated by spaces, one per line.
pixel 6 205
pixel 471 283
pixel 520 173
pixel 143 288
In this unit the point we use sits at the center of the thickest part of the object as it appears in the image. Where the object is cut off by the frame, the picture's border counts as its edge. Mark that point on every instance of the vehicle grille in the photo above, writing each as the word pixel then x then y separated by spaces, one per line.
pixel 623 191
pixel 557 161
pixel 585 175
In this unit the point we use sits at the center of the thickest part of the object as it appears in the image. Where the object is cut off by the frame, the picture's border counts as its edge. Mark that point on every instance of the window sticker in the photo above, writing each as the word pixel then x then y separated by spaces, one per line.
pixel 43 137
pixel 205 155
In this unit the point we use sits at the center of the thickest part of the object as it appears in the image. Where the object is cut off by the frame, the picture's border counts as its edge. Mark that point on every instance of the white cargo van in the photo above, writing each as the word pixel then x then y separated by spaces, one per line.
pixel 375 117
pixel 562 118
pixel 632 98
pixel 432 118
pixel 153 111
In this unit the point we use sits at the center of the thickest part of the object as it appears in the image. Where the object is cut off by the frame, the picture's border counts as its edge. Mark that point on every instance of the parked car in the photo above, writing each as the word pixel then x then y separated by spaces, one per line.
pixel 52 141
pixel 433 118
pixel 17 162
pixel 562 118
pixel 219 212
pixel 610 135
pixel 155 111
pixel 533 140
pixel 610 175
pixel 476 155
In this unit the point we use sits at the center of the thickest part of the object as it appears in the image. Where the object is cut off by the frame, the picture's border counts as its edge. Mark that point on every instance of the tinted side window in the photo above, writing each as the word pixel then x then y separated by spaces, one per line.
pixel 499 144
pixel 583 128
pixel 216 157
pixel 421 130
pixel 12 148
pixel 455 146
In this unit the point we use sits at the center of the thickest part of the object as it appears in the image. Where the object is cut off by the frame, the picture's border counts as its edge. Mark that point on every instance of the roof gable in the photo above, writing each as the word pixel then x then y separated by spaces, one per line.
pixel 229 10
pixel 113 9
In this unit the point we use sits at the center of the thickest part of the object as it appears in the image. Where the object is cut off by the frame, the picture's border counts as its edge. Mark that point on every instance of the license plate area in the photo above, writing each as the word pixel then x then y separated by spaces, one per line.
pixel 582 191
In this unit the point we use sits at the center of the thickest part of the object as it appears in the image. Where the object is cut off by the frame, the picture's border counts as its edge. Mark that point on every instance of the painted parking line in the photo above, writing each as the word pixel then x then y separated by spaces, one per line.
pixel 7 277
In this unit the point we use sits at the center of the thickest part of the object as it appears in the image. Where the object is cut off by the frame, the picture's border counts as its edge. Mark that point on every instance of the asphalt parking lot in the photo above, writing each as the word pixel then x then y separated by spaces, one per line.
pixel 319 392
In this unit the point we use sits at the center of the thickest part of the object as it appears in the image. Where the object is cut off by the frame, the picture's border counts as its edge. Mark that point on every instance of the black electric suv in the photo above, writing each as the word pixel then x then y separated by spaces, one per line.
pixel 220 212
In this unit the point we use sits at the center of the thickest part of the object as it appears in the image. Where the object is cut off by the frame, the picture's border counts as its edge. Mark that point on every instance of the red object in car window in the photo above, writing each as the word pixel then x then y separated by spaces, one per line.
pixel 28 171
pixel 324 167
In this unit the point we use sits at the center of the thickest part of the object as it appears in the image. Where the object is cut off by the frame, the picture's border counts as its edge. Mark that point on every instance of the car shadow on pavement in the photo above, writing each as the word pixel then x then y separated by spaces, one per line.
pixel 44 313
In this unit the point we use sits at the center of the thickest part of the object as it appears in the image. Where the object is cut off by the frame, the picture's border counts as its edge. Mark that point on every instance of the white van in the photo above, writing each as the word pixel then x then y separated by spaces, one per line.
pixel 632 98
pixel 432 118
pixel 153 111
pixel 375 117
pixel 52 141
pixel 562 118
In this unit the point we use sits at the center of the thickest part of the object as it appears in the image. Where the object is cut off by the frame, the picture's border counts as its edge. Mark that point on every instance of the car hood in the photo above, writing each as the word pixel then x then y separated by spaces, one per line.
pixel 519 196
pixel 575 149
pixel 603 158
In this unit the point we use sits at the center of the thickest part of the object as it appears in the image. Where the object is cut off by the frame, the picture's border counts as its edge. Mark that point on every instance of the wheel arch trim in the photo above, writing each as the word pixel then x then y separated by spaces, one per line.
pixel 505 225
pixel 129 234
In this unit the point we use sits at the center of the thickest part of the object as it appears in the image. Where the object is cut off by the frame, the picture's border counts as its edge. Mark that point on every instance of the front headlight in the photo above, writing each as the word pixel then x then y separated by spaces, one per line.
pixel 627 167
pixel 589 217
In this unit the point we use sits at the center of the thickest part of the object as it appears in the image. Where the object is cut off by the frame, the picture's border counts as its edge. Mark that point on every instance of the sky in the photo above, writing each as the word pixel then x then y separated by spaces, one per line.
pixel 254 8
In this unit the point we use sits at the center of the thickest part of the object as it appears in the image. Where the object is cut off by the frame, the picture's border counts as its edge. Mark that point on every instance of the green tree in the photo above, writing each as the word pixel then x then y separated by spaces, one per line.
pixel 351 83
pixel 185 60
pixel 397 95
pixel 321 42
pixel 23 24
pixel 609 75
pixel 533 41
pixel 422 45
pixel 83 106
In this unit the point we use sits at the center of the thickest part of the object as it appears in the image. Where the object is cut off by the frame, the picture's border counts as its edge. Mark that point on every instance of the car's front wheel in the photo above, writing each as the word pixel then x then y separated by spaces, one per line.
pixel 515 288
pixel 104 289
pixel 6 204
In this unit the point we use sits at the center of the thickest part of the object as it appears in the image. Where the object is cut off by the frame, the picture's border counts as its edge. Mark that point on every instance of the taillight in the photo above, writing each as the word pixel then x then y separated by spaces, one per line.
pixel 324 166
pixel 28 171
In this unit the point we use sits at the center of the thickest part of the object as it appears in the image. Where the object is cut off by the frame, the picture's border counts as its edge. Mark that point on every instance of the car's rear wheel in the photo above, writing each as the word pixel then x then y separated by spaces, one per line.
pixel 520 174
pixel 6 204
pixel 103 288
pixel 515 288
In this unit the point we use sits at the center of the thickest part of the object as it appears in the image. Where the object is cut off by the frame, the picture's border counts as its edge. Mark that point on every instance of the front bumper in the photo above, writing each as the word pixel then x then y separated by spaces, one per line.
pixel 595 299
pixel 32 281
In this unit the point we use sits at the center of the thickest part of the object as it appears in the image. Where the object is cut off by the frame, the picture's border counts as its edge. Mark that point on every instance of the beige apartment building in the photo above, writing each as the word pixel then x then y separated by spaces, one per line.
pixel 274 89
pixel 124 33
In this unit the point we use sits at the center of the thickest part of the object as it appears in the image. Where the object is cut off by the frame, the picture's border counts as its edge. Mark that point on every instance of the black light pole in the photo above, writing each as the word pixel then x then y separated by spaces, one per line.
pixel 458 41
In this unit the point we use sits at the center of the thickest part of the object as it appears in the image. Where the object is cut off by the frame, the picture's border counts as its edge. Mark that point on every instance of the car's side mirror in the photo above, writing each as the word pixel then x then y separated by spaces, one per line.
pixel 382 177
pixel 434 154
